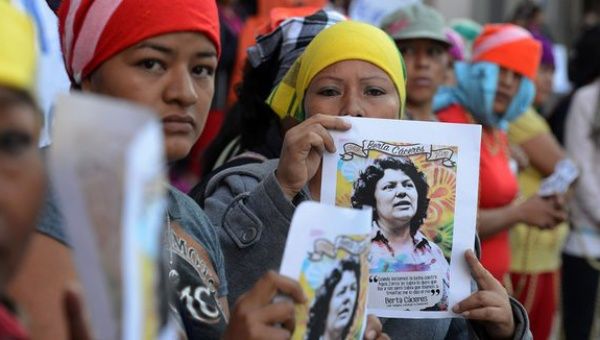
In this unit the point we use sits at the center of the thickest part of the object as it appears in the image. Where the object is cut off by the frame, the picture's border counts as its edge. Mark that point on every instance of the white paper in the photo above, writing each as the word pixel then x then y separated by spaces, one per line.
pixel 558 183
pixel 326 251
pixel 107 167
pixel 417 272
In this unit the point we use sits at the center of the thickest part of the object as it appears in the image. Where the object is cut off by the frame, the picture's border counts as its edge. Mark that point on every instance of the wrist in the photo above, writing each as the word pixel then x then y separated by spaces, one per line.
pixel 517 211
pixel 288 192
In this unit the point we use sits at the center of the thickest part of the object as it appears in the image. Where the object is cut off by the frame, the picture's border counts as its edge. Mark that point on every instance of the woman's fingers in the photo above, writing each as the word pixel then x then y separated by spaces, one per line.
pixel 272 284
pixel 302 150
pixel 374 328
pixel 330 122
pixel 319 125
pixel 278 313
pixel 480 299
pixel 490 304
pixel 489 314
pixel 485 280
pixel 325 136
pixel 255 313
pixel 75 314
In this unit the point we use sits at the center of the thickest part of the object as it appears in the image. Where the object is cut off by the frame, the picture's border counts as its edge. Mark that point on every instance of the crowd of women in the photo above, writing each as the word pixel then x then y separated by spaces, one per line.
pixel 309 66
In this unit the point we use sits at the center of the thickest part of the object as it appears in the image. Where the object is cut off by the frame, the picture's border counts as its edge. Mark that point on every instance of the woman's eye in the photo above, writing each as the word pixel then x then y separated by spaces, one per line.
pixel 405 50
pixel 15 142
pixel 435 51
pixel 203 71
pixel 152 65
pixel 374 92
pixel 329 92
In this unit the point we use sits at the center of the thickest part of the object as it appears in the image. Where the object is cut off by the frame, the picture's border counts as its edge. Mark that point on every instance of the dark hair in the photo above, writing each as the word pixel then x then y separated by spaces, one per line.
pixel 364 187
pixel 525 12
pixel 317 316
pixel 584 63
pixel 250 117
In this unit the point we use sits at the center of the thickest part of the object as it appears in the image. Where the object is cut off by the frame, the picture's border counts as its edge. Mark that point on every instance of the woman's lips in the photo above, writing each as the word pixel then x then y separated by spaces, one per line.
pixel 344 313
pixel 178 124
pixel 502 97
pixel 422 81
pixel 402 203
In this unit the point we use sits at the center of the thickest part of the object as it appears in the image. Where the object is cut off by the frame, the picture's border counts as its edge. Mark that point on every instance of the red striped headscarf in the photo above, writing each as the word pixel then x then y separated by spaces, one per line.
pixel 509 46
pixel 92 31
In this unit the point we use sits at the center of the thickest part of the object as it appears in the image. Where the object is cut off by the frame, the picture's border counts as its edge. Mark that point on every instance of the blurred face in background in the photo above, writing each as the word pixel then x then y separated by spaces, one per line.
pixel 426 65
pixel 22 179
pixel 508 85
pixel 543 84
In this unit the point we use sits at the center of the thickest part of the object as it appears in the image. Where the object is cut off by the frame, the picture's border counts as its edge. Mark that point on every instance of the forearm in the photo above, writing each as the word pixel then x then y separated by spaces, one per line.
pixel 492 221
pixel 543 152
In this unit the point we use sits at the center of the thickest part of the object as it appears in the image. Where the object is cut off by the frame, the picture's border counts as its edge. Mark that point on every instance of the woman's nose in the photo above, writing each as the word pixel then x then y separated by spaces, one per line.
pixel 181 88
pixel 400 193
pixel 352 106
pixel 508 77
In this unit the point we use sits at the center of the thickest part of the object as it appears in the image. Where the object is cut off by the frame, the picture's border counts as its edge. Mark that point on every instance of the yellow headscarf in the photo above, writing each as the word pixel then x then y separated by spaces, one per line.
pixel 17 52
pixel 347 40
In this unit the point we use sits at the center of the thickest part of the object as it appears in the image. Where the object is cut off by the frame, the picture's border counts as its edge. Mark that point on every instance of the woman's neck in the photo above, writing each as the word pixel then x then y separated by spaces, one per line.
pixel 394 234
pixel 421 112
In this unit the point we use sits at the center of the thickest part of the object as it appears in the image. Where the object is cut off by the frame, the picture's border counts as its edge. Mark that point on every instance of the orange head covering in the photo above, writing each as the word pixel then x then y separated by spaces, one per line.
pixel 91 32
pixel 509 46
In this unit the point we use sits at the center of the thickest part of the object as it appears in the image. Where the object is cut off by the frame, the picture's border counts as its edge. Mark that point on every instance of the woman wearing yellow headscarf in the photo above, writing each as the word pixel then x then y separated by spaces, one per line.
pixel 350 69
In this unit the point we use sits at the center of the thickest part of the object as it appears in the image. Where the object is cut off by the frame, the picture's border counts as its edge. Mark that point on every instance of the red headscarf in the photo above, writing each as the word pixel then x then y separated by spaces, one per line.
pixel 93 31
pixel 509 46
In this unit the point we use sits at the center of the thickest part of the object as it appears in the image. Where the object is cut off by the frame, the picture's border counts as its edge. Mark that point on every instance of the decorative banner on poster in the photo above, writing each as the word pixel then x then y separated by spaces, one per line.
pixel 330 262
pixel 420 178
pixel 444 155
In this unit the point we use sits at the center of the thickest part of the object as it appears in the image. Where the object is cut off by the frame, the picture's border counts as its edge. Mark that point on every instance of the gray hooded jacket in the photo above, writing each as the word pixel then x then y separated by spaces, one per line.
pixel 252 217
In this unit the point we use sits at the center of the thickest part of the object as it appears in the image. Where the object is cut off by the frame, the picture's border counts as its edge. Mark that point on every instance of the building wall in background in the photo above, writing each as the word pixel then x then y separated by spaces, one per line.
pixel 562 17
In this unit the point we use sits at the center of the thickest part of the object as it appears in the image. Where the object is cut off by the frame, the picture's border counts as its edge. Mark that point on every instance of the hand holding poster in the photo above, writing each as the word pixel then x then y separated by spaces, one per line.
pixel 326 251
pixel 107 167
pixel 421 179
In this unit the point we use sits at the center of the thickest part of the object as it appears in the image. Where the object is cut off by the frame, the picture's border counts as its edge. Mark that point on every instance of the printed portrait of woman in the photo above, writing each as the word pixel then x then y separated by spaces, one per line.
pixel 334 308
pixel 398 193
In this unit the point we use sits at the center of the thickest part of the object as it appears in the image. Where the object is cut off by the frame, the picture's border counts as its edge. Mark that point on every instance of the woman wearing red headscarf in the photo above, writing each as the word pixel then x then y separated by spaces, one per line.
pixel 495 88
pixel 162 54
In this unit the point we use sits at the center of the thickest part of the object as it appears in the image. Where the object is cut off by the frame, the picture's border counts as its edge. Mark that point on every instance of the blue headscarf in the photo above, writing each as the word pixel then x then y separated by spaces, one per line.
pixel 475 90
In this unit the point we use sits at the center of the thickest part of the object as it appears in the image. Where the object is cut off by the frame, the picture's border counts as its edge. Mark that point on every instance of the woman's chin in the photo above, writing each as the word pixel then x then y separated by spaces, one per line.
pixel 177 149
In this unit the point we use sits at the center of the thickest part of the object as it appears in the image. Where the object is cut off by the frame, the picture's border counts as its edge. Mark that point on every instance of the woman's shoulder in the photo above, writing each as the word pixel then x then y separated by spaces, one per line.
pixel 586 98
pixel 454 114
pixel 192 218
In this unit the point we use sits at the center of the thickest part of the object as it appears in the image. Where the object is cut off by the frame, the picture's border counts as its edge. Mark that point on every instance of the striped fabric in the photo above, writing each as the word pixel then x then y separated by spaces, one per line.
pixel 499 38
pixel 508 46
pixel 289 40
pixel 92 31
